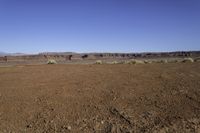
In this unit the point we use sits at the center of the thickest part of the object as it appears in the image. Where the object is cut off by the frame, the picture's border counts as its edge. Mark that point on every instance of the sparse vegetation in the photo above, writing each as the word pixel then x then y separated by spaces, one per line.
pixel 163 61
pixel 98 62
pixel 197 59
pixel 187 60
pixel 147 61
pixel 51 61
pixel 134 62
pixel 160 61
pixel 173 61
pixel 115 62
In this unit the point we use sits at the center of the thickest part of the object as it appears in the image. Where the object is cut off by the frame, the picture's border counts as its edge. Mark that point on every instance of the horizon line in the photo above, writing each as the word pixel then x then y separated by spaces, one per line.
pixel 35 53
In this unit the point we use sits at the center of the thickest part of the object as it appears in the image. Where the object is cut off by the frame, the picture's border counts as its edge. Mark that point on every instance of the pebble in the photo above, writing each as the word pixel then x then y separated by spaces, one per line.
pixel 29 126
pixel 69 127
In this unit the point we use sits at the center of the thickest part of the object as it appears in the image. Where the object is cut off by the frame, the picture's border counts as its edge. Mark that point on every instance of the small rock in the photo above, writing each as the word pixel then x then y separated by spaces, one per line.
pixel 29 126
pixel 69 127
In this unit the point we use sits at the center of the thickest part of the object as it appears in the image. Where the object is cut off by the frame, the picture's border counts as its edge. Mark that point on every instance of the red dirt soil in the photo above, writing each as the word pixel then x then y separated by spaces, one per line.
pixel 100 98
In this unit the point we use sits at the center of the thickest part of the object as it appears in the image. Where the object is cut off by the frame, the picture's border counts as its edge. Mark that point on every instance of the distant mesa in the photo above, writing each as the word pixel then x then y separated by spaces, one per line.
pixel 3 54
pixel 57 53
pixel 11 54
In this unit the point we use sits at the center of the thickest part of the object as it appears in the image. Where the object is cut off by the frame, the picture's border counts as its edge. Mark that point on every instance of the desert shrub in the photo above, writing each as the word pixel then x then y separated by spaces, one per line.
pixel 98 62
pixel 126 62
pixel 115 62
pixel 172 61
pixel 163 61
pixel 51 61
pixel 135 62
pixel 187 60
pixel 197 59
pixel 121 62
pixel 160 61
pixel 147 61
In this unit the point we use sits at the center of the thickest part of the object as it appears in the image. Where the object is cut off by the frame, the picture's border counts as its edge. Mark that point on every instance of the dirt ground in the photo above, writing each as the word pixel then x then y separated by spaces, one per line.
pixel 100 98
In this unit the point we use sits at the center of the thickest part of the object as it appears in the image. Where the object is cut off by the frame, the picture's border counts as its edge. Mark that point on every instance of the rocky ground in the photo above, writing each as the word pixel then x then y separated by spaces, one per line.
pixel 117 98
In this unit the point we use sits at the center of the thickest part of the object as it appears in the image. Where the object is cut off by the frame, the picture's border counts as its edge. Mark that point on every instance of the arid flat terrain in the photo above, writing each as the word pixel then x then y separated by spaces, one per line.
pixel 100 98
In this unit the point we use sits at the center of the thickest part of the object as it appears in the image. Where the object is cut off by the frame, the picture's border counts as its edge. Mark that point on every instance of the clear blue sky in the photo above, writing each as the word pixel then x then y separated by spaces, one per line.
pixel 33 26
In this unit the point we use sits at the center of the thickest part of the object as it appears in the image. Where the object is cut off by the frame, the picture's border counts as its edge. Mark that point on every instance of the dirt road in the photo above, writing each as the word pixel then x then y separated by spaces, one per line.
pixel 100 98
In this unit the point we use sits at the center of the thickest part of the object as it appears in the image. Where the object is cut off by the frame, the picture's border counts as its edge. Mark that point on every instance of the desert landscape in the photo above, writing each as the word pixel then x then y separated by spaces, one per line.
pixel 86 96
pixel 99 66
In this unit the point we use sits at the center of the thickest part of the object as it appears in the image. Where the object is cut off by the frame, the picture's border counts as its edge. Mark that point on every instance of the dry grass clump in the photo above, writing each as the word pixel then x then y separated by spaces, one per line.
pixel 98 62
pixel 164 61
pixel 197 59
pixel 147 61
pixel 160 61
pixel 172 61
pixel 187 60
pixel 115 62
pixel 51 61
pixel 134 62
